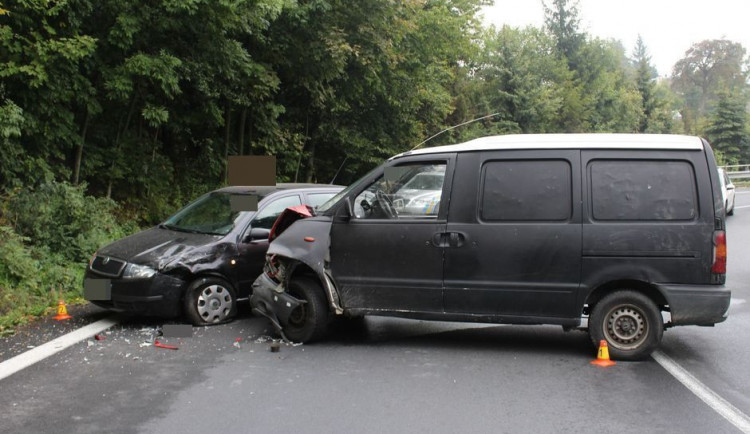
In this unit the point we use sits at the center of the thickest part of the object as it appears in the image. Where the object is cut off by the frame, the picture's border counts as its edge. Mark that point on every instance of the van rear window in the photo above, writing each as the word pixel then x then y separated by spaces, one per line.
pixel 526 190
pixel 642 190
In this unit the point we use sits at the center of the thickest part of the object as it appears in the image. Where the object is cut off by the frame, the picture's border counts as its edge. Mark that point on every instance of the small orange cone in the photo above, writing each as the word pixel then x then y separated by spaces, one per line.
pixel 602 357
pixel 62 312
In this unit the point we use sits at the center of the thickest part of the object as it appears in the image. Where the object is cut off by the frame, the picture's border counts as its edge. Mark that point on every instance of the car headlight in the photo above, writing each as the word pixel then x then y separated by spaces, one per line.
pixel 135 271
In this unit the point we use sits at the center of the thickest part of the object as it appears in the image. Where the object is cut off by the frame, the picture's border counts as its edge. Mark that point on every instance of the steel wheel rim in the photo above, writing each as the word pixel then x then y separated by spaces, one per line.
pixel 214 303
pixel 626 327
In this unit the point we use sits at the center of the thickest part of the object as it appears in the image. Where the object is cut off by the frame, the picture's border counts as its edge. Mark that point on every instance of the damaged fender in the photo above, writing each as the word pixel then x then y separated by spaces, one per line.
pixel 308 242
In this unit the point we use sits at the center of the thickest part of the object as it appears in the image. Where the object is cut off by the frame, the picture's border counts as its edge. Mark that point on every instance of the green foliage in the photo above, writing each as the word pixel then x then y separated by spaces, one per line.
pixel 63 221
pixel 728 131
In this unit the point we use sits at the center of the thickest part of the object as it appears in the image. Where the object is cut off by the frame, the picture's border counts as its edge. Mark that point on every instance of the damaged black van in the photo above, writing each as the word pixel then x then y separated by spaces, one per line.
pixel 626 231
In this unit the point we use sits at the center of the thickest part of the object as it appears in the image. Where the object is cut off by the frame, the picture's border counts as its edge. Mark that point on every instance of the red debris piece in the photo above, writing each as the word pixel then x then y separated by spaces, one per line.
pixel 100 337
pixel 161 345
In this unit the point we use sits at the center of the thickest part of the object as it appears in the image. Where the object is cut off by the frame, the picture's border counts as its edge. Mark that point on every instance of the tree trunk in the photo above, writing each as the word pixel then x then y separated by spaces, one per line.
pixel 79 151
pixel 241 138
pixel 120 132
pixel 227 135
pixel 310 163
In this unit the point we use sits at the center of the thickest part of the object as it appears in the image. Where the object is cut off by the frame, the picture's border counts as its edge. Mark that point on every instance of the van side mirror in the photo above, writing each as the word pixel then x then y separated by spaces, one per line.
pixel 346 212
pixel 256 235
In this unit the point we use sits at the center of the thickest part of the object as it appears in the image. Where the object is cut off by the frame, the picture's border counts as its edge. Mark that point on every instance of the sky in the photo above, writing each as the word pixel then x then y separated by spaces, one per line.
pixel 668 27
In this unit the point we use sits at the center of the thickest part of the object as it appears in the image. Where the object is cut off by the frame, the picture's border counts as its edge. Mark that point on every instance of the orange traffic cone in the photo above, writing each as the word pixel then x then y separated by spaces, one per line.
pixel 62 312
pixel 602 357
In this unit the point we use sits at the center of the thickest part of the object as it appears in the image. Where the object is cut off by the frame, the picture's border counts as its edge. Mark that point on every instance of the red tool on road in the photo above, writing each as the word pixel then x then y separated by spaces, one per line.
pixel 161 345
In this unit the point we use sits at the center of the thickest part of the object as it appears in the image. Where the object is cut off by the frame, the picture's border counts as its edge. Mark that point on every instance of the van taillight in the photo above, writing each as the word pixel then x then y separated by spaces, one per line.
pixel 720 253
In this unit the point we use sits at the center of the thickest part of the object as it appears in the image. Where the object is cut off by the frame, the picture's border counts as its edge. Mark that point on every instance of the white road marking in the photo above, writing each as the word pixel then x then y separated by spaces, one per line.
pixel 716 402
pixel 743 206
pixel 24 360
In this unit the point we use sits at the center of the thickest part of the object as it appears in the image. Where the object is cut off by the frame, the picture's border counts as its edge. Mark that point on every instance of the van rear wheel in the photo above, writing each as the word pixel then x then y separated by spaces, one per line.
pixel 629 321
pixel 309 321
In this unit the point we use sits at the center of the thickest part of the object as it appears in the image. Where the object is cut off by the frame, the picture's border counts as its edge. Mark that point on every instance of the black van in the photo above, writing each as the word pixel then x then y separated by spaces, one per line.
pixel 201 260
pixel 521 229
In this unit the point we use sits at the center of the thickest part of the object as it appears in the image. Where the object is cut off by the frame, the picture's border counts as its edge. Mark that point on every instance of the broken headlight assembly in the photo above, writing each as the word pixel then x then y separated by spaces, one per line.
pixel 135 271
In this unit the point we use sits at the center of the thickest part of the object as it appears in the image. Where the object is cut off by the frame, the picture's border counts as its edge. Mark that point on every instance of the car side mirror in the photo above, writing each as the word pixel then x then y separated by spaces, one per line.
pixel 256 235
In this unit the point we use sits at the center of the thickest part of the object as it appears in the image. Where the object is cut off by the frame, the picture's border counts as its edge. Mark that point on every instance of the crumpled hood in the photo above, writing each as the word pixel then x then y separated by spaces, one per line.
pixel 156 246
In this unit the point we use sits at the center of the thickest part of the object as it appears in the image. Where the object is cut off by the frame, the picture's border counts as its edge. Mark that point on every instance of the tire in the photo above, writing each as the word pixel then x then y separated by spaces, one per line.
pixel 630 323
pixel 309 321
pixel 730 211
pixel 210 301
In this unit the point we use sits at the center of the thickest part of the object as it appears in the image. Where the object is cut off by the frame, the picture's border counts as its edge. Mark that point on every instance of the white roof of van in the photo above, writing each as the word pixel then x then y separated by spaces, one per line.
pixel 568 141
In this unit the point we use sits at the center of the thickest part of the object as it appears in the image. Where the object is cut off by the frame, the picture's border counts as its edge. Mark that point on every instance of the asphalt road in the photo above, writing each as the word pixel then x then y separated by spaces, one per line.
pixel 378 375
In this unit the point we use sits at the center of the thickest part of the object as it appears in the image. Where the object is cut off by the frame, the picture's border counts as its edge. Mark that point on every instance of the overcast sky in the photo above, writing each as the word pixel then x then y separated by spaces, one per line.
pixel 668 27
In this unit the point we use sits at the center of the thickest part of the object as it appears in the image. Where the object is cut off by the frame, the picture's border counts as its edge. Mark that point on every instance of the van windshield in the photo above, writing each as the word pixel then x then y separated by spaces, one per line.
pixel 211 214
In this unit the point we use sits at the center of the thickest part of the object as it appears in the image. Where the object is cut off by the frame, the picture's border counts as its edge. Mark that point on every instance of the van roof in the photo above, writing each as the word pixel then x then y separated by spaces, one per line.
pixel 568 141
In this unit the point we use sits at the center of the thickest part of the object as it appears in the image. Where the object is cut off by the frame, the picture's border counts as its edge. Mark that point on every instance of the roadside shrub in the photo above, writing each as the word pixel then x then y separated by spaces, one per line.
pixel 61 219
pixel 31 281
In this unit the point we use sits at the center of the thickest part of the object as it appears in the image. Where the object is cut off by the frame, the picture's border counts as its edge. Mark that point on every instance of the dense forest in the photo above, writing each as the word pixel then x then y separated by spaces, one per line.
pixel 113 113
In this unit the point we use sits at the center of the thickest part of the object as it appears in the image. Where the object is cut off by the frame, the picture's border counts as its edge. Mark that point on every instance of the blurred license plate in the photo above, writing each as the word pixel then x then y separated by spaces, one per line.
pixel 97 289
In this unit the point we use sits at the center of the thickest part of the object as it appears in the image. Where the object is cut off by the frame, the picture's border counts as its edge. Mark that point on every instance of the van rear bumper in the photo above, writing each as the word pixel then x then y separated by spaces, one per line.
pixel 703 305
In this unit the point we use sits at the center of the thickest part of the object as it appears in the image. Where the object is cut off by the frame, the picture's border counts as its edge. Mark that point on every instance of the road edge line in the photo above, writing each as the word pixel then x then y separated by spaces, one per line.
pixel 28 358
pixel 720 405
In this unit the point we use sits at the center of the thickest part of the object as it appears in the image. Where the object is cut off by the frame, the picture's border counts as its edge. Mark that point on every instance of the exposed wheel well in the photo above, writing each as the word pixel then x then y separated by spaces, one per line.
pixel 302 269
pixel 635 285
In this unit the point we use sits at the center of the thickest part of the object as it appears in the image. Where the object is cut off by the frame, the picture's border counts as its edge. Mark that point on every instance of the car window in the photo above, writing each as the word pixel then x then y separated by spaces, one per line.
pixel 534 190
pixel 211 214
pixel 267 216
pixel 317 199
pixel 406 191
pixel 643 190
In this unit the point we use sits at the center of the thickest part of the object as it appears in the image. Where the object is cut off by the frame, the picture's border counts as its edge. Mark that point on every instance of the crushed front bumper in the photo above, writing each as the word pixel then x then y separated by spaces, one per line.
pixel 159 296
pixel 276 306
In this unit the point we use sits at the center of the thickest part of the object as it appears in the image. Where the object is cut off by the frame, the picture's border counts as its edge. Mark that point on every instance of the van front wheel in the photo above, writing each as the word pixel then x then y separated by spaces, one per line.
pixel 308 321
pixel 630 323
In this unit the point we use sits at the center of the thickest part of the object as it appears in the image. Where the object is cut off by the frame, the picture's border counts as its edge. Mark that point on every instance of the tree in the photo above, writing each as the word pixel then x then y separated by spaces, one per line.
pixel 727 130
pixel 562 21
pixel 708 68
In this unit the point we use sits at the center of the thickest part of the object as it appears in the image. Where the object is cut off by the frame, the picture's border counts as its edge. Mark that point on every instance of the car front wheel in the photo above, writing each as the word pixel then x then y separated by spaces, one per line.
pixel 629 321
pixel 210 300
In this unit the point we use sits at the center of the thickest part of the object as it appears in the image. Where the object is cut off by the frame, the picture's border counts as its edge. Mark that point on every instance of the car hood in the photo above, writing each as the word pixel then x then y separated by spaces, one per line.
pixel 156 246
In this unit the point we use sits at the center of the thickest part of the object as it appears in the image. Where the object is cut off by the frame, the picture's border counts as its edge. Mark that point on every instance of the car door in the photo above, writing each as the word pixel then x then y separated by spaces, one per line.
pixel 515 222
pixel 389 255
pixel 252 252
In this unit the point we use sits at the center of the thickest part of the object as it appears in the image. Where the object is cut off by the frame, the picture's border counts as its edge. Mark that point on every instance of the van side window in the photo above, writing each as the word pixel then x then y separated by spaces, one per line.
pixel 406 191
pixel 526 190
pixel 642 190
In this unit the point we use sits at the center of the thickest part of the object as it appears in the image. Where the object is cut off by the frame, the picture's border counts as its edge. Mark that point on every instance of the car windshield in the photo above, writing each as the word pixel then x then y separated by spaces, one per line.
pixel 211 214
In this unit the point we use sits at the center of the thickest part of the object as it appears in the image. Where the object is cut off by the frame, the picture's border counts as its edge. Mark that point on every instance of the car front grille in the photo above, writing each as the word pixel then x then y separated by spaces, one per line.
pixel 108 266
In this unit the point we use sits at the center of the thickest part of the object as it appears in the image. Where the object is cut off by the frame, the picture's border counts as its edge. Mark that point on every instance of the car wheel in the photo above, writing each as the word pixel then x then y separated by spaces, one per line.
pixel 730 211
pixel 210 300
pixel 630 323
pixel 309 321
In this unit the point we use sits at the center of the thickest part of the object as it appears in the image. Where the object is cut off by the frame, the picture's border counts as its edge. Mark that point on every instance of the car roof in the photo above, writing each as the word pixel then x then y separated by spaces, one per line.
pixel 264 190
pixel 568 141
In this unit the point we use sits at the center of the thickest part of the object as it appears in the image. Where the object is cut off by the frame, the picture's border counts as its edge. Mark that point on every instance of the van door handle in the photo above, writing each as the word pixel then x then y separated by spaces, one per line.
pixel 456 239
pixel 440 239
pixel 448 239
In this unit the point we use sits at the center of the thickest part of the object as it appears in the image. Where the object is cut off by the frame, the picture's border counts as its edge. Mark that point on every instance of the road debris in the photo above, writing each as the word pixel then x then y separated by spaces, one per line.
pixel 99 337
pixel 236 343
pixel 167 347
